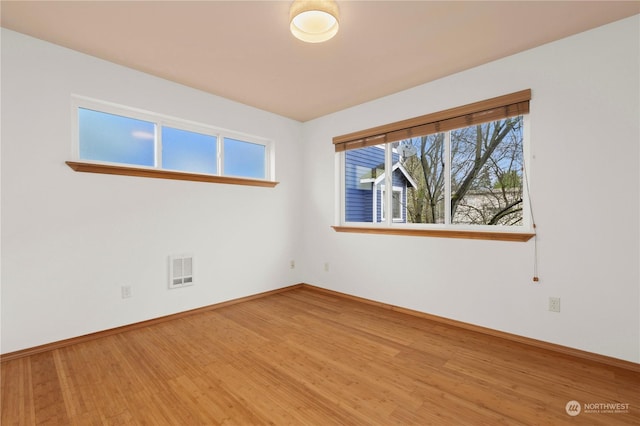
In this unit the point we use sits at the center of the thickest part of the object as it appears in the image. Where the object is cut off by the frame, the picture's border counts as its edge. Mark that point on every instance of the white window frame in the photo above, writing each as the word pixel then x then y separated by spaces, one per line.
pixel 447 226
pixel 161 120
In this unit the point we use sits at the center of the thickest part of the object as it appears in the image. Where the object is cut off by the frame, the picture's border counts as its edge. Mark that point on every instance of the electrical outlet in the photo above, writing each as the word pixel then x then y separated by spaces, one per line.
pixel 126 291
pixel 292 264
pixel 554 304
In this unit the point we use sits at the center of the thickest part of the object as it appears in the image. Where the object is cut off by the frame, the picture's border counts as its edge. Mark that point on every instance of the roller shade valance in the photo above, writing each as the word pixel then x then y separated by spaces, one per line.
pixel 493 109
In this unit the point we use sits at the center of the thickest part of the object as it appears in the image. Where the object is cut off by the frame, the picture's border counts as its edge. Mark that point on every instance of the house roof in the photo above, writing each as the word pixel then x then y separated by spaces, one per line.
pixel 380 177
pixel 243 51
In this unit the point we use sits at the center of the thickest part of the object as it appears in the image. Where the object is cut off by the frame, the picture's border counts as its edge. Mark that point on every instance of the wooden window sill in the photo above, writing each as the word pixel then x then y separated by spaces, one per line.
pixel 440 233
pixel 164 174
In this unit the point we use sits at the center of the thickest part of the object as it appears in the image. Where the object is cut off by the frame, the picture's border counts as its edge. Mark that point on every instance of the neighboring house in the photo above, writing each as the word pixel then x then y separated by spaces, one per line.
pixel 365 186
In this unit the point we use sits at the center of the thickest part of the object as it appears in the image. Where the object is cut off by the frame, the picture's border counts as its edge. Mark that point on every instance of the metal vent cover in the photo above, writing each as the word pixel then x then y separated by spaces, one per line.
pixel 180 270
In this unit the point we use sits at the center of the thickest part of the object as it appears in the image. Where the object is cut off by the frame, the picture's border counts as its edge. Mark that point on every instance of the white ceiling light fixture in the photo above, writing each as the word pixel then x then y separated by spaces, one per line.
pixel 314 21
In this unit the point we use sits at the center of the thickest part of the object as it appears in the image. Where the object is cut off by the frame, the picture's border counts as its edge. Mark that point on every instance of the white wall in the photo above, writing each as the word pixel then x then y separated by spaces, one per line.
pixel 585 190
pixel 70 240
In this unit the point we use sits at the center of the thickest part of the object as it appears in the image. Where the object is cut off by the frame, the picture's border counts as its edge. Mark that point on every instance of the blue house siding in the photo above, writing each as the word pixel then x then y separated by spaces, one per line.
pixel 359 197
pixel 359 206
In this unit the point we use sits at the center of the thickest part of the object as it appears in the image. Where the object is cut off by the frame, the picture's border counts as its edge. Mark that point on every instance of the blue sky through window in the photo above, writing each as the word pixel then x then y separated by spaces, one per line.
pixel 116 139
pixel 120 139
pixel 188 151
pixel 244 159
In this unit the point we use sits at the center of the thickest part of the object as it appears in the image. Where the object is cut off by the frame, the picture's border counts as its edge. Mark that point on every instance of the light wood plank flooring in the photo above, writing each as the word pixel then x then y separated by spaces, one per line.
pixel 305 357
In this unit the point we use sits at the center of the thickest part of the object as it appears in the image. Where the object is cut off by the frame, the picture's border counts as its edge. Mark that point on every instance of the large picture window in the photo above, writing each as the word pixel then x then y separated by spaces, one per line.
pixel 121 136
pixel 457 169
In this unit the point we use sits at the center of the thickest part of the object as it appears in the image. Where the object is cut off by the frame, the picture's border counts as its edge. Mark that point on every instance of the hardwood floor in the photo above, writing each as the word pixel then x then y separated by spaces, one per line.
pixel 305 357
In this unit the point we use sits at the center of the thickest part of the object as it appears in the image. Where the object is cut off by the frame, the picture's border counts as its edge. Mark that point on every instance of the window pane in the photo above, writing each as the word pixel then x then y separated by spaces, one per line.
pixel 244 159
pixel 397 205
pixel 423 160
pixel 364 179
pixel 486 173
pixel 188 151
pixel 116 139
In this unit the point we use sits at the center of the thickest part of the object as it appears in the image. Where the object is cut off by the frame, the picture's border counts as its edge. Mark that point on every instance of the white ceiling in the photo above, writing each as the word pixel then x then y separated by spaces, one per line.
pixel 242 50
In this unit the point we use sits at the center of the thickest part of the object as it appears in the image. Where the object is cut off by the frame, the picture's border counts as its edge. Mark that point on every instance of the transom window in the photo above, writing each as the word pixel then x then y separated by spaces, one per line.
pixel 118 135
pixel 458 169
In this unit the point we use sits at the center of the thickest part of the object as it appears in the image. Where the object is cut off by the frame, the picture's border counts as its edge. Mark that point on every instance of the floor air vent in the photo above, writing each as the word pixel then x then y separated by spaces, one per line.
pixel 180 271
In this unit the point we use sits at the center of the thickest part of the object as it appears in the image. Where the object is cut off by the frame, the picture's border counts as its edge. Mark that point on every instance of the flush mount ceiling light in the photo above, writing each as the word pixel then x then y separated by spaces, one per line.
pixel 314 21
